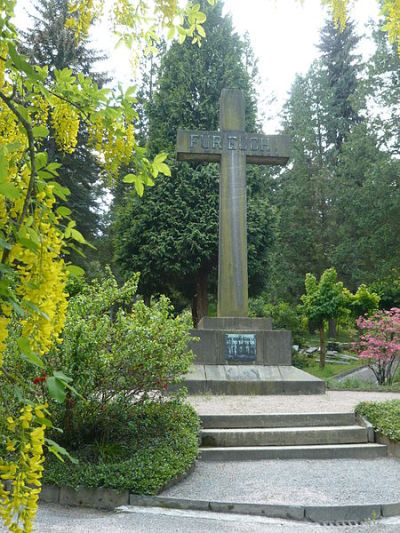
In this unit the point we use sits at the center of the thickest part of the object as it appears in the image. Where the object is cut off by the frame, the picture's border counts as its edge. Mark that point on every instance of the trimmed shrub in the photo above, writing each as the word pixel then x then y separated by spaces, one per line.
pixel 153 443
pixel 384 416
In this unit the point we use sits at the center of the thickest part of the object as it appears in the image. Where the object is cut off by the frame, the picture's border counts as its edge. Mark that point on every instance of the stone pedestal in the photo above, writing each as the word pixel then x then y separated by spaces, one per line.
pixel 237 355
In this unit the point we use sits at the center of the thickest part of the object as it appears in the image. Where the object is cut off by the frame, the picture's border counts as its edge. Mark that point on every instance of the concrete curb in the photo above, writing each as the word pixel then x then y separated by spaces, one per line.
pixel 109 499
pixel 311 513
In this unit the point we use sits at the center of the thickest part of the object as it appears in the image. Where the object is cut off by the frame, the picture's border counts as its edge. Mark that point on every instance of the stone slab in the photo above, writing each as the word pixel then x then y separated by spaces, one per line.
pixel 297 436
pixel 321 452
pixel 277 347
pixel 251 380
pixel 235 323
pixel 277 420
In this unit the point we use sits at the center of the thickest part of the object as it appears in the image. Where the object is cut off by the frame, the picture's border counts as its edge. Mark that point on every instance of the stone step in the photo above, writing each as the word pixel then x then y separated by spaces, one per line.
pixel 331 451
pixel 284 436
pixel 278 420
pixel 246 379
pixel 299 436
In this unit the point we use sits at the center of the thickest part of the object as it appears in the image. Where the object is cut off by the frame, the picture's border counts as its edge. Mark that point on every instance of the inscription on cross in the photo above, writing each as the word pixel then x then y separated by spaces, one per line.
pixel 232 147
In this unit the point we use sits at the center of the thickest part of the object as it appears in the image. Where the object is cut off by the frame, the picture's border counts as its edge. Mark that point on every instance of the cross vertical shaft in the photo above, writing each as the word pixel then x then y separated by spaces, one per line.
pixel 232 261
pixel 232 147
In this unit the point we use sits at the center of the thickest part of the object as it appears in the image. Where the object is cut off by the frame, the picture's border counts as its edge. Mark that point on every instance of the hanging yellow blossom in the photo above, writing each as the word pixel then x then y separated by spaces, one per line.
pixel 391 10
pixel 339 11
pixel 65 120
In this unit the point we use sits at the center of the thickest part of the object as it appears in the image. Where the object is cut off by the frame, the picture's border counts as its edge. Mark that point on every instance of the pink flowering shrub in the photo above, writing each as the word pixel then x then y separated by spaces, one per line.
pixel 380 343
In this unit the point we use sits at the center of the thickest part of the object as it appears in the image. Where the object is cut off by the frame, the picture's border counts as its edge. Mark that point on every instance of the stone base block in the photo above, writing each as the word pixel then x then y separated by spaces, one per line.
pixel 272 347
pixel 251 380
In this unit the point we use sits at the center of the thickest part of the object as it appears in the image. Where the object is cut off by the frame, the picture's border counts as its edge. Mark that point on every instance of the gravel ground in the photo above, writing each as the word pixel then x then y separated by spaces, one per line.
pixel 57 519
pixel 304 482
pixel 331 402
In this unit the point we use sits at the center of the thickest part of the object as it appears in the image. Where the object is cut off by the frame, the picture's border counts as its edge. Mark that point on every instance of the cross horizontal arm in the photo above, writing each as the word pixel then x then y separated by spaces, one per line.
pixel 259 149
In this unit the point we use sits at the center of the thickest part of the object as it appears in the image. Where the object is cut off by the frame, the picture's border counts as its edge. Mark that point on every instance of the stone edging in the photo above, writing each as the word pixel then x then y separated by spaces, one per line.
pixel 109 499
pixel 375 436
pixel 393 445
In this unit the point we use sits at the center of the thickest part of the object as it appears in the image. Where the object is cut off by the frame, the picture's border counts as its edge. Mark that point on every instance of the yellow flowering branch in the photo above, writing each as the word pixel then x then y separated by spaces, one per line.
pixel 31 149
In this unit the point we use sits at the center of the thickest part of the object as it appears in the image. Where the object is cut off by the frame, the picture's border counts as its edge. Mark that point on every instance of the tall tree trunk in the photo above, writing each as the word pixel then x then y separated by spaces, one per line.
pixel 322 347
pixel 332 330
pixel 200 299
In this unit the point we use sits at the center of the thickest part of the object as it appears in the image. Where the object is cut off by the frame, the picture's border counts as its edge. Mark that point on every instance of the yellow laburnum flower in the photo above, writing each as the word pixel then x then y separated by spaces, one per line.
pixel 10 446
pixel 65 120
pixel 339 11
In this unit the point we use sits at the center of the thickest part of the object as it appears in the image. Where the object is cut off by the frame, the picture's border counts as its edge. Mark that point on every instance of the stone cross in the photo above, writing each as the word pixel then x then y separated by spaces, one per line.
pixel 232 147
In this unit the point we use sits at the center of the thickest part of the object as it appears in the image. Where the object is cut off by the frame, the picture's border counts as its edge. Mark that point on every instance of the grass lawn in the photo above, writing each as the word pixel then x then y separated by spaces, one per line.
pixel 331 369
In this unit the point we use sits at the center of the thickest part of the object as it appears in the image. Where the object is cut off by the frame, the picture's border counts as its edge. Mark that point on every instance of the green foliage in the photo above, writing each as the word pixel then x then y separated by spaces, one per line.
pixel 388 290
pixel 342 65
pixel 152 444
pixel 115 348
pixel 364 301
pixel 326 299
pixel 384 416
pixel 284 316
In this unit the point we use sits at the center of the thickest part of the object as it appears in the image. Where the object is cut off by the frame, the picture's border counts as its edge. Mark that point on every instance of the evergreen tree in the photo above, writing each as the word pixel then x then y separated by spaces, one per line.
pixel 171 234
pixel 50 43
pixel 320 115
pixel 383 87
pixel 341 64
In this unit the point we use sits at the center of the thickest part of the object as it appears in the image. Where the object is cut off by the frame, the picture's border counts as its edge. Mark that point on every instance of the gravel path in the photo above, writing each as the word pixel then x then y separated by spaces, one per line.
pixel 331 402
pixel 294 482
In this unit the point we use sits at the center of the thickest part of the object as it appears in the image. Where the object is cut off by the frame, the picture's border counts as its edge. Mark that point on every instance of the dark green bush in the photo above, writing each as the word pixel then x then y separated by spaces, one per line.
pixel 151 444
pixel 384 416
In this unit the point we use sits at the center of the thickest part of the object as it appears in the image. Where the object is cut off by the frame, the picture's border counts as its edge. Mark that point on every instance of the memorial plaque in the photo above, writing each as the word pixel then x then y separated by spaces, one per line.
pixel 240 346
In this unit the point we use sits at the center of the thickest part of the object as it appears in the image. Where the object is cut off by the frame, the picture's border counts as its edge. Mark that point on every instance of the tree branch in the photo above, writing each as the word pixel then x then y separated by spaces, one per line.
pixel 31 149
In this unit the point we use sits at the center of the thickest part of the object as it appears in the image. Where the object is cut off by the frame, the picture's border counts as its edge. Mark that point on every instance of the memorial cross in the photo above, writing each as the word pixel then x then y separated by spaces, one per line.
pixel 232 147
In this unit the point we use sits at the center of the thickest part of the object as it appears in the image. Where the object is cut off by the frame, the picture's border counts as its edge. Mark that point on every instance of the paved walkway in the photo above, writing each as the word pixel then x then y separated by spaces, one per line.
pixel 294 482
pixel 331 402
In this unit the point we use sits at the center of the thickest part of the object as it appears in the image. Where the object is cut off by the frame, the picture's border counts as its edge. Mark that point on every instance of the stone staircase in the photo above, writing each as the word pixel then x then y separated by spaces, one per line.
pixel 286 436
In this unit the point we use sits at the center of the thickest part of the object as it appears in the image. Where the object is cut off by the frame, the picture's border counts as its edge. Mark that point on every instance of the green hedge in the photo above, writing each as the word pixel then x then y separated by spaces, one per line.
pixel 162 443
pixel 384 416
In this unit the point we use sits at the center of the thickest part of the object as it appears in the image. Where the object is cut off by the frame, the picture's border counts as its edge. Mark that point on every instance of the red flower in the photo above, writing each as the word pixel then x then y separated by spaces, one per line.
pixel 40 379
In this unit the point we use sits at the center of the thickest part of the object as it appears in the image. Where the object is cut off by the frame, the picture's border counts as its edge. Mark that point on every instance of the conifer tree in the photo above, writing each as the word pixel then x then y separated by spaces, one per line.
pixel 171 234
pixel 341 64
